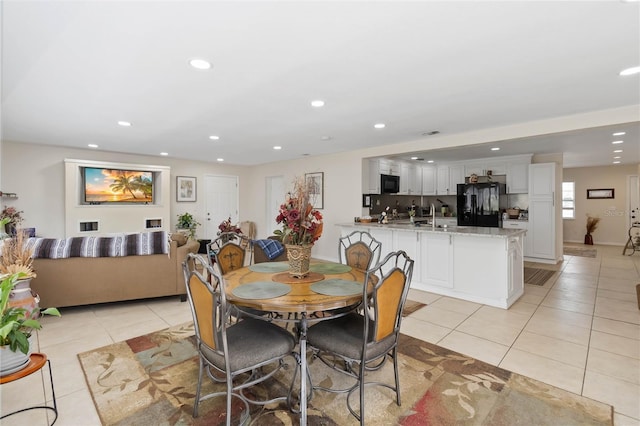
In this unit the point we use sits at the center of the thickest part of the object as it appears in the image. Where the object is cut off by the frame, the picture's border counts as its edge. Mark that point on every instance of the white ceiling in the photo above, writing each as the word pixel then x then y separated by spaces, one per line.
pixel 71 70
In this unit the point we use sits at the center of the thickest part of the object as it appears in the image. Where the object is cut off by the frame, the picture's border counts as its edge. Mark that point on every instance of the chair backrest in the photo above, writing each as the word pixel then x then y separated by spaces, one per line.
pixel 228 251
pixel 207 302
pixel 390 280
pixel 359 250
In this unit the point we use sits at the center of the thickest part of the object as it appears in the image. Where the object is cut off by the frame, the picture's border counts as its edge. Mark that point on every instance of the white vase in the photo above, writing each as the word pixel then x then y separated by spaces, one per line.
pixel 11 361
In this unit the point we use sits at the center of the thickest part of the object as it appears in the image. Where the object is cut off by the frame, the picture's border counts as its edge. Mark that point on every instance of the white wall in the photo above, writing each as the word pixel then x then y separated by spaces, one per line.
pixel 612 228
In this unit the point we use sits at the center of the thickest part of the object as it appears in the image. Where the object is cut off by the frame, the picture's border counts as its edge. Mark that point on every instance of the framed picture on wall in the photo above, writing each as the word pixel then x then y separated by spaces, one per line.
pixel 600 193
pixel 185 188
pixel 316 183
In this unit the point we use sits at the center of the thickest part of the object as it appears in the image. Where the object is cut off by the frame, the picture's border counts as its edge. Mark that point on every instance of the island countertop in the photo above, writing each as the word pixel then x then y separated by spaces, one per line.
pixel 456 230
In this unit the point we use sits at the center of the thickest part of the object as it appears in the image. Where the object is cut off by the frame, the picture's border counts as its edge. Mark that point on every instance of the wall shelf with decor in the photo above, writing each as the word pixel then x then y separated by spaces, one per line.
pixel 8 194
pixel 148 207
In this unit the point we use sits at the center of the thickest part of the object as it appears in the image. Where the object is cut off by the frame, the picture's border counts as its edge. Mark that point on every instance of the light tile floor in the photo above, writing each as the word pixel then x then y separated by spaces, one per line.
pixel 579 332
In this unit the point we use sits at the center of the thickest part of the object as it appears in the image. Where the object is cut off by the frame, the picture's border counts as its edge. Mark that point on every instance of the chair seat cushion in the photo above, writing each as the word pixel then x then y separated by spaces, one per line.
pixel 343 336
pixel 250 342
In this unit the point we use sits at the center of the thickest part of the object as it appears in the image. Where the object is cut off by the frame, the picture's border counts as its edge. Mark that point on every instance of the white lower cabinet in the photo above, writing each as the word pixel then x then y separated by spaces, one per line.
pixel 527 243
pixel 482 266
pixel 437 265
pixel 410 243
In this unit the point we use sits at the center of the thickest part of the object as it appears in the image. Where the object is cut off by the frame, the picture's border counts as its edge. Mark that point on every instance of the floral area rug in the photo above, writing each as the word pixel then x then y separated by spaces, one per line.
pixel 151 379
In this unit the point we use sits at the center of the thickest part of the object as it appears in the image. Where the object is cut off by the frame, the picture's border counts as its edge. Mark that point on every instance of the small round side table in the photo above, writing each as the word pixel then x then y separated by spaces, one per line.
pixel 36 362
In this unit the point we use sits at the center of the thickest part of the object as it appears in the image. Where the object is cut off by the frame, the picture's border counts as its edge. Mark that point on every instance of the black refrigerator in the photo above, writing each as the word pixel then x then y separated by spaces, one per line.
pixel 479 204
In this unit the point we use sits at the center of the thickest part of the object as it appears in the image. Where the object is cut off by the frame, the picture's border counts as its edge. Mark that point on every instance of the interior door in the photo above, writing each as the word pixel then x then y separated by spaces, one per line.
pixel 221 203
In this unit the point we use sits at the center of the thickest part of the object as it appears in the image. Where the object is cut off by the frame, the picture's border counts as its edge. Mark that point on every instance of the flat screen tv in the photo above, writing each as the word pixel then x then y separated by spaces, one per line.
pixel 102 186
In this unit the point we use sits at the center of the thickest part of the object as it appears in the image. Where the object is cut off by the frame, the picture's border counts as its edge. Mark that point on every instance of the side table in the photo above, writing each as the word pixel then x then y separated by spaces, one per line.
pixel 36 362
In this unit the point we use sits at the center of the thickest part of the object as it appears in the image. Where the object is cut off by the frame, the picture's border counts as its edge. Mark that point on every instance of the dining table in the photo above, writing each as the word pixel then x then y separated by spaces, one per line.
pixel 328 288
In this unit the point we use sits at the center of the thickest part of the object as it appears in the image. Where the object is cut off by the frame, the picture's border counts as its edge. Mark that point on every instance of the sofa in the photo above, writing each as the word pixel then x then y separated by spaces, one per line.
pixel 88 270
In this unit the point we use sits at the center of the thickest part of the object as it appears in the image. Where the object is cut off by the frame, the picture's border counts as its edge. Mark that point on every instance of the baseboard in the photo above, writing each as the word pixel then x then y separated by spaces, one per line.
pixel 606 243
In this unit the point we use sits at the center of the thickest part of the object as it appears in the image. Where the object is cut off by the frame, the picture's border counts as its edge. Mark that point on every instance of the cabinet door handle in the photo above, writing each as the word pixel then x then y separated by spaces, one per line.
pixel 553 198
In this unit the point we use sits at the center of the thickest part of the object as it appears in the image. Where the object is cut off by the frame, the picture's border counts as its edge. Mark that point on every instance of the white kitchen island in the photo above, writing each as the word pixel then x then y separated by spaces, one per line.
pixel 482 265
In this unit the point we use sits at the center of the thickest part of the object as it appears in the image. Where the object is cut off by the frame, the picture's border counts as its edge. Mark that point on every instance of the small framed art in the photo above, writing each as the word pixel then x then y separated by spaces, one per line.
pixel 185 188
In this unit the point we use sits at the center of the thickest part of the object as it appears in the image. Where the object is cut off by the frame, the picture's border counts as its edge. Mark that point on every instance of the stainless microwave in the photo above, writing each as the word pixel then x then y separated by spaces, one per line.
pixel 389 184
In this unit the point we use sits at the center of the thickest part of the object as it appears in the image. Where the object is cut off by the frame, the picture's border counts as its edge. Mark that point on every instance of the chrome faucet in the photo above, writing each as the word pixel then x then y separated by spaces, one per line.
pixel 432 213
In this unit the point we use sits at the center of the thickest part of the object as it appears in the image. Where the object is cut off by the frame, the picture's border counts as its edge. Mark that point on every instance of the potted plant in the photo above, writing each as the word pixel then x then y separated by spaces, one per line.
pixel 187 224
pixel 16 326
pixel 11 218
pixel 592 224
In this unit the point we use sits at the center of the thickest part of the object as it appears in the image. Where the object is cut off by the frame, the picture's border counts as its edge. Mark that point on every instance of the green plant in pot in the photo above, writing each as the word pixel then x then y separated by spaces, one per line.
pixel 186 222
pixel 16 326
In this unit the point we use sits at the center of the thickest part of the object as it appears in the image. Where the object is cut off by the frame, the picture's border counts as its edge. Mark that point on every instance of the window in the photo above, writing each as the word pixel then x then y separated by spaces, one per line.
pixel 568 200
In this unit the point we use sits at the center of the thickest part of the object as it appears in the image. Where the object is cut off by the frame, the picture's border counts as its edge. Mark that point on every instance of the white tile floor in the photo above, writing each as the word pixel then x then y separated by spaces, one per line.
pixel 579 332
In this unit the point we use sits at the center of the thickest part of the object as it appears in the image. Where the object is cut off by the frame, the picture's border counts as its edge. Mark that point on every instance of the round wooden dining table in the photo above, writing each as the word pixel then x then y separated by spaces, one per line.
pixel 269 287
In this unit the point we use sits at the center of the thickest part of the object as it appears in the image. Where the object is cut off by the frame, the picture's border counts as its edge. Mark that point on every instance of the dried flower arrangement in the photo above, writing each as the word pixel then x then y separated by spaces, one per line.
pixel 17 256
pixel 592 223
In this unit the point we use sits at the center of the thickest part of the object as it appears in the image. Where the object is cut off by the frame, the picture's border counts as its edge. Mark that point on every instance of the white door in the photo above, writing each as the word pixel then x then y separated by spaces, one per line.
pixel 275 197
pixel 221 203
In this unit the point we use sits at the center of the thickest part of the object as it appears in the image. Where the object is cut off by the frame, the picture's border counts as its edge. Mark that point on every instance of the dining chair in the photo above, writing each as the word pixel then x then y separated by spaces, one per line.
pixel 228 251
pixel 361 342
pixel 233 354
pixel 359 250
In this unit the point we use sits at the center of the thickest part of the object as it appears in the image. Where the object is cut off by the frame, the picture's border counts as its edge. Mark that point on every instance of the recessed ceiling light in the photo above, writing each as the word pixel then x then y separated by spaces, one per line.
pixel 124 124
pixel 220 159
pixel 619 133
pixel 214 137
pixel 616 162
pixel 429 161
pixel 414 158
pixel 200 64
pixel 617 157
pixel 317 103
pixel 495 148
pixel 277 147
pixel 325 138
pixel 92 145
pixel 617 142
pixel 617 151
pixel 164 153
pixel 630 71
pixel 379 125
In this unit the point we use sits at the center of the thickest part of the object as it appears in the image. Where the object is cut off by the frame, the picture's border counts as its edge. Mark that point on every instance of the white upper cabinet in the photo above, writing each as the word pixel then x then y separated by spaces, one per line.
pixel 484 167
pixel 404 179
pixel 518 175
pixel 442 178
pixel 428 180
pixel 449 176
pixel 415 180
pixel 374 177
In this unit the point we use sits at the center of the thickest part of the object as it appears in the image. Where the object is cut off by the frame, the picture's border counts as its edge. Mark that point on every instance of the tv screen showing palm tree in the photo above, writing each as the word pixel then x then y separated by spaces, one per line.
pixel 117 186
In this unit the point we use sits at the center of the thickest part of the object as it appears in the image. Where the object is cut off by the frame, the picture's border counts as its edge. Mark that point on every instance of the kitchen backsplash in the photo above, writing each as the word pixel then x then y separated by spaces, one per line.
pixel 403 203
